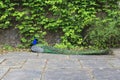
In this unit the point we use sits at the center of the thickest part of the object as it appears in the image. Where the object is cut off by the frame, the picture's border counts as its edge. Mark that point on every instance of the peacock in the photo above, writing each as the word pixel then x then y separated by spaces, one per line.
pixel 40 48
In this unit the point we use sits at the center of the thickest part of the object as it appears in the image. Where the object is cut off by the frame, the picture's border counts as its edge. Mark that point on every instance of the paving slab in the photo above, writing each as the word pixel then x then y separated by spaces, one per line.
pixel 66 74
pixel 95 64
pixel 3 71
pixel 36 64
pixel 107 74
pixel 1 60
pixel 71 64
pixel 53 56
pixel 115 63
pixel 19 74
pixel 13 63
pixel 92 57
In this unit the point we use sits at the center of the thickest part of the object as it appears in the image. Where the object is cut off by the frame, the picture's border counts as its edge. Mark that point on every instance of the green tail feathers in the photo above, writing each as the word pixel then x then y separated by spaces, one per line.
pixel 53 50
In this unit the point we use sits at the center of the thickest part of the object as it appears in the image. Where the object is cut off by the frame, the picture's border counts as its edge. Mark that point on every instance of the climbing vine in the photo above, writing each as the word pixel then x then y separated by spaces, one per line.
pixel 83 22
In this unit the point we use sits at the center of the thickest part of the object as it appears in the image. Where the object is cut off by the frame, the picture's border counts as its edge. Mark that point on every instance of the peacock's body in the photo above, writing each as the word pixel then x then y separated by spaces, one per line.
pixel 39 48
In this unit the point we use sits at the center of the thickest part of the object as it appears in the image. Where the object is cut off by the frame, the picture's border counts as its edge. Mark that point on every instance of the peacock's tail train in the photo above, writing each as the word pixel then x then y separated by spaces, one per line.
pixel 53 50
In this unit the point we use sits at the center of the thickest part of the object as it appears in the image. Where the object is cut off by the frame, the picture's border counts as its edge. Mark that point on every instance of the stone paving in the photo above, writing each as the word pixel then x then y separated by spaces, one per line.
pixel 41 66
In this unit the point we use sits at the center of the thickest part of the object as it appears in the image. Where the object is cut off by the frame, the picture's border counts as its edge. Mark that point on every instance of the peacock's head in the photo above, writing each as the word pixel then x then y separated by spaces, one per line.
pixel 35 41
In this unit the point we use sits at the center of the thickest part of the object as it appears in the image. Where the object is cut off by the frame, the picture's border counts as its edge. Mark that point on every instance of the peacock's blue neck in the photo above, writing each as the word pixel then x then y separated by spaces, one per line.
pixel 35 41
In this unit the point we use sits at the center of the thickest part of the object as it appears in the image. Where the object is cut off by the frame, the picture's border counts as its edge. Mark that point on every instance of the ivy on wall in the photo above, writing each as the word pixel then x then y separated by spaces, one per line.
pixel 82 22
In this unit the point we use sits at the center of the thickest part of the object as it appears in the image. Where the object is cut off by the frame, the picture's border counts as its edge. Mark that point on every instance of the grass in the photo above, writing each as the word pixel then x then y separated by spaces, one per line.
pixel 7 48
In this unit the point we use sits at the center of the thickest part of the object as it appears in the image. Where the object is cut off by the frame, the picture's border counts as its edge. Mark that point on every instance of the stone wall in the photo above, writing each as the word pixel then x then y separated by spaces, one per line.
pixel 10 37
pixel 53 37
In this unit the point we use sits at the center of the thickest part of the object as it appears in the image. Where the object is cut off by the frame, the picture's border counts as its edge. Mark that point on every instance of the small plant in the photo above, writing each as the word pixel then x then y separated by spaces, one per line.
pixel 7 47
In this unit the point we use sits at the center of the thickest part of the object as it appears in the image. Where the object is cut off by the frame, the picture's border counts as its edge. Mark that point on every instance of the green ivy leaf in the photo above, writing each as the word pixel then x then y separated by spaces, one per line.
pixel 23 40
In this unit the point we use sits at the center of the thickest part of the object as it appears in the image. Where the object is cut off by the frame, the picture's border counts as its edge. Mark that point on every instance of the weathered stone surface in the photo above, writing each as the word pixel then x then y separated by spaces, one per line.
pixel 107 74
pixel 95 64
pixel 92 57
pixel 3 71
pixel 114 63
pixel 72 64
pixel 36 64
pixel 1 60
pixel 13 63
pixel 53 56
pixel 18 74
pixel 9 36
pixel 20 55
pixel 65 74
